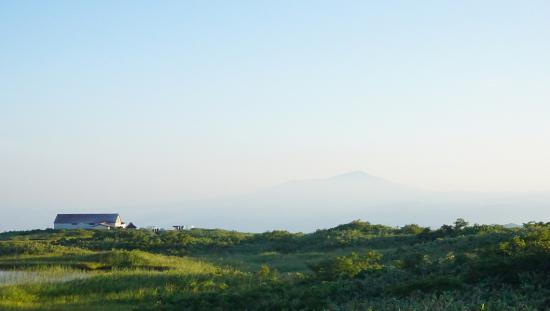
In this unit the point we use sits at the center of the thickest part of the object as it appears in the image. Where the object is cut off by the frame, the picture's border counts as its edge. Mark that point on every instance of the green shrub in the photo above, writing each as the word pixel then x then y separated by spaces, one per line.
pixel 347 266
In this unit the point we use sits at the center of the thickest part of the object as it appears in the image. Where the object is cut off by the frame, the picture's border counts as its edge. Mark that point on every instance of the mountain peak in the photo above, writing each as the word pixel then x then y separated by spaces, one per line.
pixel 354 175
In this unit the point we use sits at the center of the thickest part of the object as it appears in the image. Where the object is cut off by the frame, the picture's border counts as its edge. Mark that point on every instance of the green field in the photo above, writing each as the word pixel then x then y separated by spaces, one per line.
pixel 356 266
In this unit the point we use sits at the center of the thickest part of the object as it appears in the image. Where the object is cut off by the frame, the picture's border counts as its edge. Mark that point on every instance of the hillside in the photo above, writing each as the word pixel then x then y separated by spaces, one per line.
pixel 354 266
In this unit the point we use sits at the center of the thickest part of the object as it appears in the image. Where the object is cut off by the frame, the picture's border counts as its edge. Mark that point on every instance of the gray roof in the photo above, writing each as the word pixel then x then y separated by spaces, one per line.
pixel 81 218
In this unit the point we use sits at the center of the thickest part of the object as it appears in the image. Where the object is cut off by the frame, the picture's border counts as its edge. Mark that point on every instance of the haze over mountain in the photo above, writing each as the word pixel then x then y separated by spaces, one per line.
pixel 306 205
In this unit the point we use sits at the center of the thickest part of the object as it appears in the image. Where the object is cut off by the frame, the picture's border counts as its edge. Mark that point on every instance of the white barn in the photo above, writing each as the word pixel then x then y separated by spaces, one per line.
pixel 88 221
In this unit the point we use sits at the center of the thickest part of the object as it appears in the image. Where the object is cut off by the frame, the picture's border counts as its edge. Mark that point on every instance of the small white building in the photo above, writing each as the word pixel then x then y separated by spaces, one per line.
pixel 88 221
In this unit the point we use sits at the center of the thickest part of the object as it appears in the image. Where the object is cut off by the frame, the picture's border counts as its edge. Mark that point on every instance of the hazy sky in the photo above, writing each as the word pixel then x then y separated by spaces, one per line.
pixel 108 103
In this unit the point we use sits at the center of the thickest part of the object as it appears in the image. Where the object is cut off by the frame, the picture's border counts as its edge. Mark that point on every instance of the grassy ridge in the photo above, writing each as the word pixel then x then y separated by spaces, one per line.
pixel 356 266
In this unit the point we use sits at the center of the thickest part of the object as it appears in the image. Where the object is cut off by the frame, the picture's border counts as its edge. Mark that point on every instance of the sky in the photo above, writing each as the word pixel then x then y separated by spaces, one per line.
pixel 115 103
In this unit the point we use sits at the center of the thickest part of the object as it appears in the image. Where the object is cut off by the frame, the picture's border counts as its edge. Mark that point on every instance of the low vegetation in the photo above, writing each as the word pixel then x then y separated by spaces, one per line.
pixel 355 266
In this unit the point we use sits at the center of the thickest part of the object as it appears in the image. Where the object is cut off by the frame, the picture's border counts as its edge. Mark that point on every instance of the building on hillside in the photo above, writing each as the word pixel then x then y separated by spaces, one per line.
pixel 154 229
pixel 88 221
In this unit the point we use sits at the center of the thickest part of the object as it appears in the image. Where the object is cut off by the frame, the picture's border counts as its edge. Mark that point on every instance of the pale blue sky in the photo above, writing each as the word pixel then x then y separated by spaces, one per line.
pixel 109 103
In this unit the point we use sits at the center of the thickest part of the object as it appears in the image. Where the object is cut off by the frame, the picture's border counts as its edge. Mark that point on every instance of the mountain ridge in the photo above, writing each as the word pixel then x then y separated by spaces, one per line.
pixel 310 204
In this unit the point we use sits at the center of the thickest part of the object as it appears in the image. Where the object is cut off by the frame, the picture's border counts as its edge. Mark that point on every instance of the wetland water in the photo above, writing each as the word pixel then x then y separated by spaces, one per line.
pixel 21 277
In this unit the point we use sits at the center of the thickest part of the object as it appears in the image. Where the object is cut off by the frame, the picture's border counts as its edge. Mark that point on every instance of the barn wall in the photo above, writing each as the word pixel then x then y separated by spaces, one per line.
pixel 77 226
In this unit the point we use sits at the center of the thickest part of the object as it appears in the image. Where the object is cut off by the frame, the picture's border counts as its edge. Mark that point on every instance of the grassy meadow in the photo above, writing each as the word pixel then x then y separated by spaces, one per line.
pixel 355 266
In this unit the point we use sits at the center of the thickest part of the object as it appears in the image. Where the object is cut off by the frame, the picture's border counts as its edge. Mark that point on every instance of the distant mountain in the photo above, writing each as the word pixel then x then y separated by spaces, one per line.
pixel 301 205
pixel 345 187
pixel 306 205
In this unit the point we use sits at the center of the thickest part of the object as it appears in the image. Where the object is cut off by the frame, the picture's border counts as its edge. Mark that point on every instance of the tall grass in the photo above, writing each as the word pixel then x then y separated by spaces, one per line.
pixel 411 268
